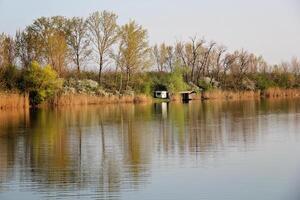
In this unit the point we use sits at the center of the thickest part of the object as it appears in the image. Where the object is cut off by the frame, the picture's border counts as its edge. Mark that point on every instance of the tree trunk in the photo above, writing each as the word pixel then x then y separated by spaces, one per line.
pixel 78 65
pixel 127 79
pixel 121 82
pixel 100 70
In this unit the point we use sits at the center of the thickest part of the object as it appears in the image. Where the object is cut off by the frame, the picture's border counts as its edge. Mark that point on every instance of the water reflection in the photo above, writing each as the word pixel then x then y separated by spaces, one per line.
pixel 103 151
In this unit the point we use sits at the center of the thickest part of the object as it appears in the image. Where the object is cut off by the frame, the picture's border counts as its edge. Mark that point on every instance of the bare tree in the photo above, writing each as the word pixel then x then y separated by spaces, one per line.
pixel 160 54
pixel 295 64
pixel 217 65
pixel 103 34
pixel 195 55
pixel 240 67
pixel 170 58
pixel 206 59
pixel 189 54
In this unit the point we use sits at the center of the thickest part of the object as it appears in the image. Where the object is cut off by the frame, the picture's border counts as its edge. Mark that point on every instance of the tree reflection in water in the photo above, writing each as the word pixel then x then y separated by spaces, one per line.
pixel 106 150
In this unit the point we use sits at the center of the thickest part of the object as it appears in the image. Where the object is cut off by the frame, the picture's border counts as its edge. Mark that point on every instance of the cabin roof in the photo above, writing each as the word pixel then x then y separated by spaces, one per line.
pixel 187 92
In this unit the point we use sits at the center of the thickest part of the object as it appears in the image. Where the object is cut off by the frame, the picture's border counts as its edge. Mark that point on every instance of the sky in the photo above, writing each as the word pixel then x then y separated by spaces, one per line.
pixel 270 28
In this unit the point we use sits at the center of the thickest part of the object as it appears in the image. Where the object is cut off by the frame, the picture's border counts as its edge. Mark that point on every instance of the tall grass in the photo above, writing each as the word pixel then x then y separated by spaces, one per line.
pixel 231 95
pixel 83 99
pixel 13 100
pixel 281 93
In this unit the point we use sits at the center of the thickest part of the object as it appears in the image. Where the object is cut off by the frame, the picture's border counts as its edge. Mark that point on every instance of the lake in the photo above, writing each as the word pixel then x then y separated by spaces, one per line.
pixel 227 150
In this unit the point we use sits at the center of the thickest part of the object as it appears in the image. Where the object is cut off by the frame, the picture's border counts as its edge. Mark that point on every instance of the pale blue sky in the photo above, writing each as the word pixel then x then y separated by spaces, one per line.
pixel 266 27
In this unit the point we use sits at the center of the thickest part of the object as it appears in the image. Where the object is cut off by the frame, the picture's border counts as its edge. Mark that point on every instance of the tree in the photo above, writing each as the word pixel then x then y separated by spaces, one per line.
pixel 103 34
pixel 240 67
pixel 134 49
pixel 45 41
pixel 160 54
pixel 170 58
pixel 295 64
pixel 205 61
pixel 195 53
pixel 217 63
pixel 7 51
pixel 190 55
pixel 57 50
pixel 24 48
pixel 78 44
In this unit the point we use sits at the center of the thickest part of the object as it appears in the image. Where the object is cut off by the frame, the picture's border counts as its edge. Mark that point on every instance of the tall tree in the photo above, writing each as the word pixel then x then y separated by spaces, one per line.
pixel 7 51
pixel 160 54
pixel 170 58
pixel 78 43
pixel 24 48
pixel 189 54
pixel 103 32
pixel 295 64
pixel 45 41
pixel 134 49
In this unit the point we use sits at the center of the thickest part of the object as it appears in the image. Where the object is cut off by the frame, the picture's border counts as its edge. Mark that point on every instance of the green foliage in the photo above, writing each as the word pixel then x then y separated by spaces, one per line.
pixel 147 88
pixel 175 81
pixel 152 81
pixel 205 85
pixel 263 82
pixel 41 83
pixel 10 77
pixel 285 80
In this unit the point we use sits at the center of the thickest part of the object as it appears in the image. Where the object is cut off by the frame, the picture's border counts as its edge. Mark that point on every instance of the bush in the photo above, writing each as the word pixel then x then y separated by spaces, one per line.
pixel 263 82
pixel 41 82
pixel 10 77
pixel 176 82
pixel 205 84
pixel 285 80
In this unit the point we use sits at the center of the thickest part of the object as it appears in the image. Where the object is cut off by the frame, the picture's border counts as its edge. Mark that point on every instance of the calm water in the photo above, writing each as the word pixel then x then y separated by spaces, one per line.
pixel 212 150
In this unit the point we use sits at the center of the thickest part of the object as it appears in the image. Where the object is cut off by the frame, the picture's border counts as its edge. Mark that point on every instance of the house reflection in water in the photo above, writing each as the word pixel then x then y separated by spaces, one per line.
pixel 162 108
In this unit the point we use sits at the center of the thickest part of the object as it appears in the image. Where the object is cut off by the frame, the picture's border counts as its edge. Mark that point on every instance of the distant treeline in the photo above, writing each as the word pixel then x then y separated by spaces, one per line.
pixel 125 61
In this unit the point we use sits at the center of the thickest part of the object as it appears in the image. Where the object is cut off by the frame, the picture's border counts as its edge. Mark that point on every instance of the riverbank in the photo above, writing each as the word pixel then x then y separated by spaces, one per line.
pixel 15 100
pixel 248 95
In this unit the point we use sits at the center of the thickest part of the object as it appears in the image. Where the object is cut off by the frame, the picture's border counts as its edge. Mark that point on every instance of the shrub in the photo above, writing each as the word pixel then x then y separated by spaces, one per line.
pixel 41 83
pixel 205 84
pixel 176 82
pixel 286 80
pixel 10 77
pixel 263 82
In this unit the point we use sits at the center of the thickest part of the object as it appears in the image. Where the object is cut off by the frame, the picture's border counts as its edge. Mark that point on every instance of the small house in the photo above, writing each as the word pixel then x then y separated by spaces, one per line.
pixel 161 94
pixel 186 95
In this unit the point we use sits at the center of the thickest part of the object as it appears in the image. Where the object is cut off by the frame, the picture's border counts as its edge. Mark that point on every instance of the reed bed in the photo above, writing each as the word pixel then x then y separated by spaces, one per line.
pixel 281 93
pixel 230 95
pixel 13 100
pixel 83 99
pixel 175 97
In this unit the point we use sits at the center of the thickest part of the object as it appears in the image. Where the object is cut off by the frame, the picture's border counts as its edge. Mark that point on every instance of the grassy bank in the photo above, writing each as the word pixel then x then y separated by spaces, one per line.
pixel 14 100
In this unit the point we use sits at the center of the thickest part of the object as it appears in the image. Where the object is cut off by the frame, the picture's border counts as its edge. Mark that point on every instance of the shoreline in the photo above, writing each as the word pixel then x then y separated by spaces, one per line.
pixel 16 100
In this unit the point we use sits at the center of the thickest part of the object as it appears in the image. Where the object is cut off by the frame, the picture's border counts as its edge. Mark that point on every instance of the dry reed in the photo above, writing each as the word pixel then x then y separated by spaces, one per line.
pixel 230 95
pixel 13 100
pixel 281 93
pixel 82 99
